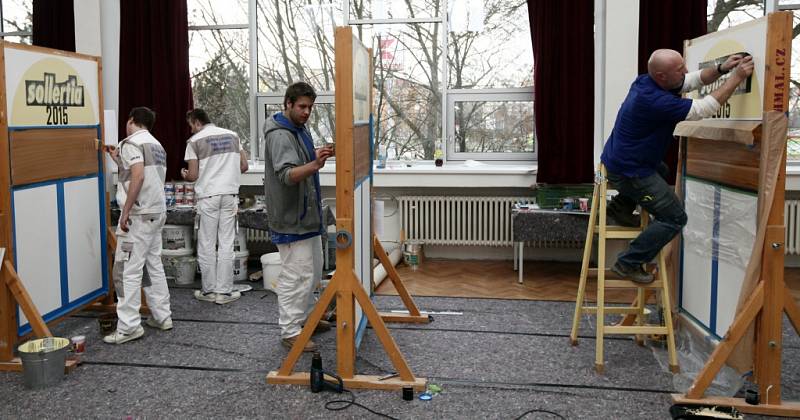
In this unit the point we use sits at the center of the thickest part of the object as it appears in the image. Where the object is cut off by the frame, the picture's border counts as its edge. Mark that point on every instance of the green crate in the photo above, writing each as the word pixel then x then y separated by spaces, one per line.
pixel 550 196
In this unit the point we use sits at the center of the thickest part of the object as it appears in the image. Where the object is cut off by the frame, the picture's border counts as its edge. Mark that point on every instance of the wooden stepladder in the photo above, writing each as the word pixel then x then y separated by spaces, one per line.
pixel 597 225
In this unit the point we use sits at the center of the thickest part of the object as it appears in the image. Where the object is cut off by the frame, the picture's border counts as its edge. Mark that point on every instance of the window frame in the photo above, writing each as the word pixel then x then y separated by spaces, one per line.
pixel 264 99
pixel 489 95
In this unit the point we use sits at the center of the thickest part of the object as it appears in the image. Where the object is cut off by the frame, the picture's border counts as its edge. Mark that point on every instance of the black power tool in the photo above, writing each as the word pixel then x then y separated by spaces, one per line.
pixel 318 381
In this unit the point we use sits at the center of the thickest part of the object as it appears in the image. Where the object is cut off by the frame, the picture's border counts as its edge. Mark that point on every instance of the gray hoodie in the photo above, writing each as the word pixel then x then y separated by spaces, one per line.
pixel 291 208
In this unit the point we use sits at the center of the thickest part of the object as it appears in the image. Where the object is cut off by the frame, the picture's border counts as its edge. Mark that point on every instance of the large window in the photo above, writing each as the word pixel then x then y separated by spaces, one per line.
pixel 17 21
pixel 424 53
pixel 219 63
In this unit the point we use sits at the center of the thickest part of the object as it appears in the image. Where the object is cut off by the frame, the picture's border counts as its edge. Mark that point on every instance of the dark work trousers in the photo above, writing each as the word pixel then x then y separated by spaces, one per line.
pixel 653 194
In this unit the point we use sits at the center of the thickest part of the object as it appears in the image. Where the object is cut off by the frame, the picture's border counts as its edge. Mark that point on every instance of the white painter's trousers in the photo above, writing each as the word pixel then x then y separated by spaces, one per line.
pixel 301 270
pixel 137 266
pixel 217 227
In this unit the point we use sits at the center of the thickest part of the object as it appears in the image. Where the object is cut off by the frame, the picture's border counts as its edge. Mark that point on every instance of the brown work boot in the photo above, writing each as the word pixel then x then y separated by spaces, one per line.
pixel 289 343
pixel 634 274
pixel 322 326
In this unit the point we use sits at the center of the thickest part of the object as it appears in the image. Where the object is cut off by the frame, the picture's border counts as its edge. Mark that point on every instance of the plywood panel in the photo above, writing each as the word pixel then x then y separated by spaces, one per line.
pixel 724 162
pixel 47 154
pixel 362 154
pixel 84 246
pixel 37 246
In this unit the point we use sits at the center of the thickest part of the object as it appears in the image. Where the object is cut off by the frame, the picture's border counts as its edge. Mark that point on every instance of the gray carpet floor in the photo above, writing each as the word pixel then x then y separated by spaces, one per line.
pixel 496 359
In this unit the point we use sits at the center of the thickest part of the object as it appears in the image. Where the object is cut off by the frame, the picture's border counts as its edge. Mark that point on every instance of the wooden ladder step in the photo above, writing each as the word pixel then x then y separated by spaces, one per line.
pixel 611 309
pixel 635 329
pixel 629 233
pixel 628 284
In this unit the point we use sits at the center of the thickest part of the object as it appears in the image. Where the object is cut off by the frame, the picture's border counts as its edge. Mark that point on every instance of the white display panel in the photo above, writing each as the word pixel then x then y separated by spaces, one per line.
pixel 717 243
pixel 36 246
pixel 358 248
pixel 697 251
pixel 84 245
pixel 366 236
pixel 708 50
pixel 737 235
pixel 50 90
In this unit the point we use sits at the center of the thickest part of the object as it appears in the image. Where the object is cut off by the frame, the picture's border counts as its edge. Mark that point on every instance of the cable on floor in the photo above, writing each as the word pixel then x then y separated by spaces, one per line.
pixel 331 405
pixel 537 410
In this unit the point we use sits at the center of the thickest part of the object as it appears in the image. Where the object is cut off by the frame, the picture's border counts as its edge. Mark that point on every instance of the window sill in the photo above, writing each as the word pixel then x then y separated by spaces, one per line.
pixel 426 174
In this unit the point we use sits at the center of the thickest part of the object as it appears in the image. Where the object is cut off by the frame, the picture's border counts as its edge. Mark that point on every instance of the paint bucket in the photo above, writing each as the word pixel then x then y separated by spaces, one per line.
pixel 413 253
pixel 108 323
pixel 240 240
pixel 174 237
pixel 583 204
pixel 179 264
pixel 43 361
pixel 240 265
pixel 270 270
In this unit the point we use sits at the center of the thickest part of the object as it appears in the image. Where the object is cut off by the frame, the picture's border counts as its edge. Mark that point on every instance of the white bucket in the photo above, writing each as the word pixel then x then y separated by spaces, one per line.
pixel 174 237
pixel 180 265
pixel 240 240
pixel 270 269
pixel 240 265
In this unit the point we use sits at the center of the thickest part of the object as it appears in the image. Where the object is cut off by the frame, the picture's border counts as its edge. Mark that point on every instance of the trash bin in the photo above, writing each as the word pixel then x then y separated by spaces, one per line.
pixel 43 361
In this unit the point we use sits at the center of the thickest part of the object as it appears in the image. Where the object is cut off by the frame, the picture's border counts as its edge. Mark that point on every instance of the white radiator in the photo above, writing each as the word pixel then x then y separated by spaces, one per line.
pixel 441 220
pixel 791 219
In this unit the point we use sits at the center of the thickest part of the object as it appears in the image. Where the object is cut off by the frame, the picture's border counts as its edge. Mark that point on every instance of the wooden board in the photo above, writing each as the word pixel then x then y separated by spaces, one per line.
pixel 46 154
pixel 727 163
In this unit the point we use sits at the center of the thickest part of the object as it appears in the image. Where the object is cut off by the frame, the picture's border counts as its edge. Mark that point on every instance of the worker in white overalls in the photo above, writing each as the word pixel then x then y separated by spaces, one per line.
pixel 142 165
pixel 216 161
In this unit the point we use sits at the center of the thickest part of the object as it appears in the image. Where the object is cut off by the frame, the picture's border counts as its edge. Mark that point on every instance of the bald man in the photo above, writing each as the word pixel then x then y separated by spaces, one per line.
pixel 643 129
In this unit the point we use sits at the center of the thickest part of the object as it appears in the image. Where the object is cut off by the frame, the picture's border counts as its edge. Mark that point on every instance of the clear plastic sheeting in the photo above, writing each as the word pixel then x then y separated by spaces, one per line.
pixel 692 356
pixel 718 242
pixel 737 227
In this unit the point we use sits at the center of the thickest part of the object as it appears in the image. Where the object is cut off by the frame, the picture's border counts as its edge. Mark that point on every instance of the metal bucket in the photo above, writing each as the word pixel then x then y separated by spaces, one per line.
pixel 413 253
pixel 43 361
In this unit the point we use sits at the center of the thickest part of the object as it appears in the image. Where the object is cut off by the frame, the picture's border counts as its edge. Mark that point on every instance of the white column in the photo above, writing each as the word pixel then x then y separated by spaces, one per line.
pixel 109 26
pixel 616 62
pixel 87 27
pixel 97 33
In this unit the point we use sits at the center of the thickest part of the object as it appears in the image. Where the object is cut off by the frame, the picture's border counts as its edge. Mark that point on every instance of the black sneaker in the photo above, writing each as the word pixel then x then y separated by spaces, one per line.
pixel 634 274
pixel 621 216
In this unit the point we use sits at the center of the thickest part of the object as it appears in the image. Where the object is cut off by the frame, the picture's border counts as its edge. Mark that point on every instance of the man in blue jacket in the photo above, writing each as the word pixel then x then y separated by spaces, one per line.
pixel 291 181
pixel 642 132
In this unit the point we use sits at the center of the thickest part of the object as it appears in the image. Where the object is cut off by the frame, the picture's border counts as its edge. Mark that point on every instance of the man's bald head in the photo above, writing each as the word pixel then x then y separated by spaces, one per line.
pixel 667 68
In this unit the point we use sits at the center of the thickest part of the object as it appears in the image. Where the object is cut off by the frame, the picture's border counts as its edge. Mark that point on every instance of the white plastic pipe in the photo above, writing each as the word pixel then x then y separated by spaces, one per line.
pixel 379 273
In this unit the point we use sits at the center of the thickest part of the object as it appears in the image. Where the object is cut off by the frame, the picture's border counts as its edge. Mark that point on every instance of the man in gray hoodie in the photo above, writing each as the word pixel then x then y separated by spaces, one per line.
pixel 291 183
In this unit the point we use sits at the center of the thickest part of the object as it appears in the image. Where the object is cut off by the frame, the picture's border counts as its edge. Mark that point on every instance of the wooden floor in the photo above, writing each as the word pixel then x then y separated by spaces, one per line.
pixel 543 280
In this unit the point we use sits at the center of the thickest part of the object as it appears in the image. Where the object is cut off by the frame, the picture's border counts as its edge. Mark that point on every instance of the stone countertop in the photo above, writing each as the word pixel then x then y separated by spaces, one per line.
pixel 549 225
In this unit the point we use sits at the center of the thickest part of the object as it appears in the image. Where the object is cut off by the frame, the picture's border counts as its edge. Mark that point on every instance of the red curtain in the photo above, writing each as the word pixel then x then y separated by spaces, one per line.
pixel 666 24
pixel 563 51
pixel 54 24
pixel 154 71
